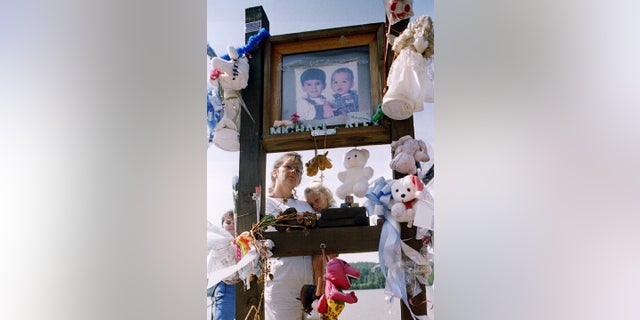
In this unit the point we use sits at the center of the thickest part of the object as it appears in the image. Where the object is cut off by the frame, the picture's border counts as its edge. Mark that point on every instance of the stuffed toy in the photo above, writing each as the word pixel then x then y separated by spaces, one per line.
pixel 319 162
pixel 410 80
pixel 355 180
pixel 229 77
pixel 398 10
pixel 337 278
pixel 406 192
pixel 406 153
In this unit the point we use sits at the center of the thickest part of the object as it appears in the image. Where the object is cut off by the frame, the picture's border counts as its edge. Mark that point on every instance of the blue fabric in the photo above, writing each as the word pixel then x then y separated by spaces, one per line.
pixel 224 301
pixel 253 41
pixel 345 103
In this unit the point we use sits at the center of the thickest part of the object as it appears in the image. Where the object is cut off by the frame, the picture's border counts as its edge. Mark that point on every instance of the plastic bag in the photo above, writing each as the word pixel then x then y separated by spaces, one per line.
pixel 222 250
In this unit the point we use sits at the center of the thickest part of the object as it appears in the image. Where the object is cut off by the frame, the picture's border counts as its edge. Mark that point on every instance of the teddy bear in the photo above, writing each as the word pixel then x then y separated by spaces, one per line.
pixel 406 152
pixel 337 278
pixel 406 192
pixel 355 180
pixel 410 79
pixel 229 77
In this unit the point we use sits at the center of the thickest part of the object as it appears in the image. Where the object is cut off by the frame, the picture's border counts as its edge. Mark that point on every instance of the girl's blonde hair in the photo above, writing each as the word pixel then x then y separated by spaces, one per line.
pixel 422 24
pixel 316 187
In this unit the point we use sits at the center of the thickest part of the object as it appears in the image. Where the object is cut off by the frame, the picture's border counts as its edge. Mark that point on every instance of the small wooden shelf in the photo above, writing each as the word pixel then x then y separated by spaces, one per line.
pixel 338 240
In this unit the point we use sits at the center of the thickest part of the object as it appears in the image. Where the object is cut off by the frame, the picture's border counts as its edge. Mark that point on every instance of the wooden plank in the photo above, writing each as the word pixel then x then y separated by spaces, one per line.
pixel 401 128
pixel 327 33
pixel 337 240
pixel 344 137
pixel 252 158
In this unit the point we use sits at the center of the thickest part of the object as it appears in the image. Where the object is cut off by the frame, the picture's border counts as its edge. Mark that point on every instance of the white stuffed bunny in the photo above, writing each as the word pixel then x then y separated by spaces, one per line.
pixel 231 76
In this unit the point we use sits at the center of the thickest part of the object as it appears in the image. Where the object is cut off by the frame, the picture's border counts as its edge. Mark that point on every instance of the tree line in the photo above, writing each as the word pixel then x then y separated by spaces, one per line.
pixel 370 276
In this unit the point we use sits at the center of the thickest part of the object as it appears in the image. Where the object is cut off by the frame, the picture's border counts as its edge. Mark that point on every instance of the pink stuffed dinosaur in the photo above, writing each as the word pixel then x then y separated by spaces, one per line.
pixel 337 275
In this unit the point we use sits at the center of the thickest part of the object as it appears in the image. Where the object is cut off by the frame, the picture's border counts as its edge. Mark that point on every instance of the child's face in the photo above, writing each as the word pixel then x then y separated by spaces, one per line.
pixel 340 83
pixel 317 202
pixel 229 225
pixel 313 88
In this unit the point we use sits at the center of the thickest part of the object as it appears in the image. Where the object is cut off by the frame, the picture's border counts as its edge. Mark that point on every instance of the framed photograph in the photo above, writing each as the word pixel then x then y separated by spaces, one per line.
pixel 327 93
pixel 327 79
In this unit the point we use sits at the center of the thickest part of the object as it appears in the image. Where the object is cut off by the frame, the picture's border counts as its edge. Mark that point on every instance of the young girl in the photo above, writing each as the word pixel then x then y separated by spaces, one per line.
pixel 224 293
pixel 319 196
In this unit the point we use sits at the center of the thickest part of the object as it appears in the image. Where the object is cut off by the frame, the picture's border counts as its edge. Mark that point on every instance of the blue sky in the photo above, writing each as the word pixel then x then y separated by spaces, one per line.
pixel 225 19
pixel 225 26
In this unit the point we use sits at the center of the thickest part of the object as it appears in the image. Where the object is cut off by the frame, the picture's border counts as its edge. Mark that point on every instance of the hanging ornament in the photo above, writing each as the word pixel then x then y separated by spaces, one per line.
pixel 319 162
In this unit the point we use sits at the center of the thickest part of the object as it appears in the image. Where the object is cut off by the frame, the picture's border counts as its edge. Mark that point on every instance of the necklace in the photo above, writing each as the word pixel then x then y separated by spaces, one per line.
pixel 281 206
pixel 282 200
pixel 281 197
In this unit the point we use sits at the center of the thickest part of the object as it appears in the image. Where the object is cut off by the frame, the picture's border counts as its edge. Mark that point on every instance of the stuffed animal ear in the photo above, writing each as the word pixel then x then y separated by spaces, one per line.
pixel 417 182
pixel 233 54
pixel 365 152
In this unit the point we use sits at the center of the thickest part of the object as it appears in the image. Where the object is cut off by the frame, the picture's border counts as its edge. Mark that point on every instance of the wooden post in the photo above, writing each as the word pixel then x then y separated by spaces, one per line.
pixel 401 128
pixel 252 157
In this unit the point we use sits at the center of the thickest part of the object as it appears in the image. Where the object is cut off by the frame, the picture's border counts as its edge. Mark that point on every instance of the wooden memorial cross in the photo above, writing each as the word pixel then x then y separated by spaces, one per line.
pixel 253 169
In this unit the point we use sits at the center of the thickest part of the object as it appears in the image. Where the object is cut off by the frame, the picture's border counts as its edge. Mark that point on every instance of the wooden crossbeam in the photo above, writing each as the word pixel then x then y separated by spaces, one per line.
pixel 351 239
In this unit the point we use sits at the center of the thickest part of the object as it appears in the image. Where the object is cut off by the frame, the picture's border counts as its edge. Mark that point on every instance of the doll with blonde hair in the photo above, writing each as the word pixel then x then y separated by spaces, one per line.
pixel 411 76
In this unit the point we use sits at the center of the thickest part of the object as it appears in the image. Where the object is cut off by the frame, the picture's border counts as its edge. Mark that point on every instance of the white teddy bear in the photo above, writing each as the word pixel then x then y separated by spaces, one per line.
pixel 355 180
pixel 406 193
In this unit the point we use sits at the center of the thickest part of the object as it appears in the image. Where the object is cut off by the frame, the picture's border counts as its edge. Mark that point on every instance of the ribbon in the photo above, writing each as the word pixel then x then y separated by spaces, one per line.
pixel 390 251
pixel 378 197
pixel 244 106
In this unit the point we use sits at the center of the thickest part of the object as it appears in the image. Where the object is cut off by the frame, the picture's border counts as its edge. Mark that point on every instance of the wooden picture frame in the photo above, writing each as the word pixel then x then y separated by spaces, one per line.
pixel 360 49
